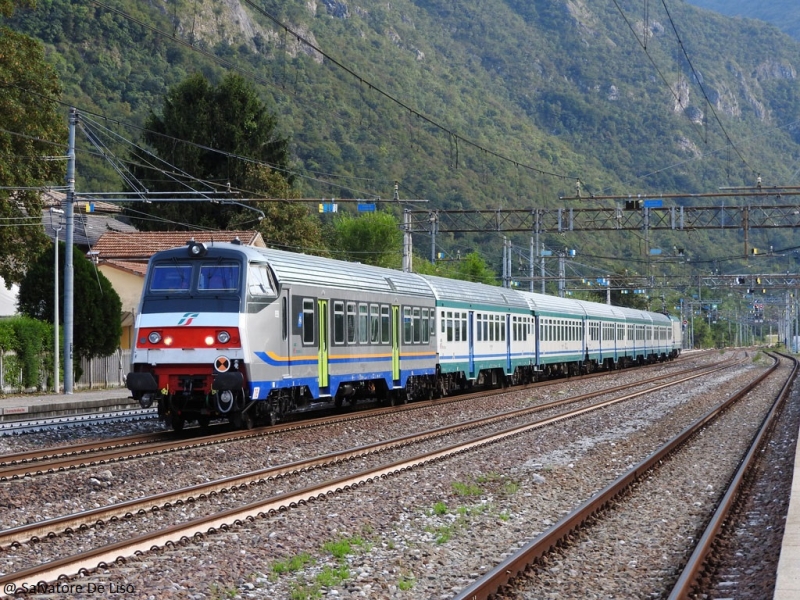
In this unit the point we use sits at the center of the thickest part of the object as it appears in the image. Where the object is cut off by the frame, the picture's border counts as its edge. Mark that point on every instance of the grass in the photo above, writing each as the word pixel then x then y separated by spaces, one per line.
pixel 440 508
pixel 466 489
pixel 488 477
pixel 290 565
pixel 339 548
pixel 405 583
pixel 304 592
pixel 344 546
pixel 218 593
pixel 333 576
pixel 444 533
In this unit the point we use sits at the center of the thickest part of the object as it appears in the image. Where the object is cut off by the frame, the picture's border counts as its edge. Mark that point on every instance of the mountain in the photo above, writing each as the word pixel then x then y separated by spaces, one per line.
pixel 479 104
pixel 784 14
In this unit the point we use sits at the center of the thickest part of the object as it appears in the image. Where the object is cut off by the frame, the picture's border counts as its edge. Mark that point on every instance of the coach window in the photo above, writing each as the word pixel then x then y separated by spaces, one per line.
pixel 432 328
pixel 285 325
pixel 351 322
pixel 374 324
pixel 308 321
pixel 456 327
pixel 363 324
pixel 503 327
pixel 443 320
pixel 449 326
pixel 464 326
pixel 426 338
pixel 386 331
pixel 417 325
pixel 338 322
pixel 407 325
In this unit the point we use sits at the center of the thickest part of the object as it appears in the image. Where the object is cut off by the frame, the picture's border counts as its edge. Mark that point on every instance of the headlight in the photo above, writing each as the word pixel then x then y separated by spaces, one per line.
pixel 154 337
pixel 223 337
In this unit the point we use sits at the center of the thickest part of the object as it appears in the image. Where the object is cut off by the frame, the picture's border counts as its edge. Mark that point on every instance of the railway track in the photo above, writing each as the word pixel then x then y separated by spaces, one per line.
pixel 19 427
pixel 279 502
pixel 58 459
pixel 508 578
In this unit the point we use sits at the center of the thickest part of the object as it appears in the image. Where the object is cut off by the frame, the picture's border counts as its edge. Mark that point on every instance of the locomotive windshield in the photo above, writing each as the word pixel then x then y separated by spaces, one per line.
pixel 223 277
pixel 171 278
pixel 210 277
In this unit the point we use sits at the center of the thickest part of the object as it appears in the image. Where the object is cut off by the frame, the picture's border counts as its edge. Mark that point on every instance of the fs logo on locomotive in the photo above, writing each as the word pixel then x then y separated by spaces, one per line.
pixel 186 319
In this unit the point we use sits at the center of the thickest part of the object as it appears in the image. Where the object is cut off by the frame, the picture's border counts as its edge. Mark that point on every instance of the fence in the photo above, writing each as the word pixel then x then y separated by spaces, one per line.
pixel 103 372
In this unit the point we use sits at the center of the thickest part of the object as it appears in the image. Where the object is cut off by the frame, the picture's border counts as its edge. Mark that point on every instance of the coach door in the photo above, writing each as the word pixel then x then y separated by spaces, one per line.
pixel 322 356
pixel 471 342
pixel 396 343
pixel 508 344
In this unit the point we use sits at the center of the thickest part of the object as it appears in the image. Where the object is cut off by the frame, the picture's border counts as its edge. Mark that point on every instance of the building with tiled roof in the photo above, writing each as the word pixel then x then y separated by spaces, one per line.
pixel 92 220
pixel 122 258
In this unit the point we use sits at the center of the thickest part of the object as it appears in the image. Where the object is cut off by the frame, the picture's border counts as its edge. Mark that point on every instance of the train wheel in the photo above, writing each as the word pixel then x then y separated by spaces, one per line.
pixel 178 423
pixel 248 421
pixel 273 417
pixel 204 421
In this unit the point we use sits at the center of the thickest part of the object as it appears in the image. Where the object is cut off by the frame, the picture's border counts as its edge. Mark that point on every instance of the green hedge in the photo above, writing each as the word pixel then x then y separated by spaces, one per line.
pixel 32 343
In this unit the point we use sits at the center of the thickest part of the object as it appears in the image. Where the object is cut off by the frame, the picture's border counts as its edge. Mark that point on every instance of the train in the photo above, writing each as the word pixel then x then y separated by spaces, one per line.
pixel 252 335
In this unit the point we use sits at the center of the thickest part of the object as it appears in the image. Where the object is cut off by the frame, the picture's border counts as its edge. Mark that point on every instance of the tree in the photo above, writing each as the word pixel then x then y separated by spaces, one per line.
pixel 286 224
pixel 31 128
pixel 372 238
pixel 474 268
pixel 222 124
pixel 96 306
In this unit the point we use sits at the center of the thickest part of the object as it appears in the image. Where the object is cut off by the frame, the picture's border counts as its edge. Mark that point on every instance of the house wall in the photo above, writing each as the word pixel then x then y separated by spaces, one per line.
pixel 129 289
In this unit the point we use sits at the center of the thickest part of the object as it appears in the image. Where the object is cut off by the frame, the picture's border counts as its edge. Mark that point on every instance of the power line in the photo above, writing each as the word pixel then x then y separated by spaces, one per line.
pixel 700 83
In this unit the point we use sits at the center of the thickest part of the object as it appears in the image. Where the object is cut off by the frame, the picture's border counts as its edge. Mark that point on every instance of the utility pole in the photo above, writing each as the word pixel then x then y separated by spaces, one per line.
pixel 434 223
pixel 406 241
pixel 56 358
pixel 69 275
pixel 532 262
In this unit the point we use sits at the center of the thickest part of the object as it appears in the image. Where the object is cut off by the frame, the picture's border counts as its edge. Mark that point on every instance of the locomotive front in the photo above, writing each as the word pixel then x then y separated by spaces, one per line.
pixel 188 354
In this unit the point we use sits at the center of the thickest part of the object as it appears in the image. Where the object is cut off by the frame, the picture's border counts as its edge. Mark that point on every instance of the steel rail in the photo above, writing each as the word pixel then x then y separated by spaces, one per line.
pixel 50 527
pixel 17 427
pixel 102 556
pixel 54 460
pixel 693 569
pixel 515 564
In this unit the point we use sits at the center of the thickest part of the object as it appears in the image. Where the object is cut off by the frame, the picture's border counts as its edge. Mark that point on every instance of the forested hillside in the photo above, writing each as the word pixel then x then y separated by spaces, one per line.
pixel 479 104
pixel 784 14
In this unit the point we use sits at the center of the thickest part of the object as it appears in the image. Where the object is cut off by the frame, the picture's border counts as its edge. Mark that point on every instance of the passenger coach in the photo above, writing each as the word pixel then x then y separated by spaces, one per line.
pixel 250 334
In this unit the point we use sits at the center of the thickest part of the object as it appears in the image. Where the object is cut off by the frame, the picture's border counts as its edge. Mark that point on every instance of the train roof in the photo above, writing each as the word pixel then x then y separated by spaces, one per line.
pixel 553 305
pixel 292 267
pixel 474 294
